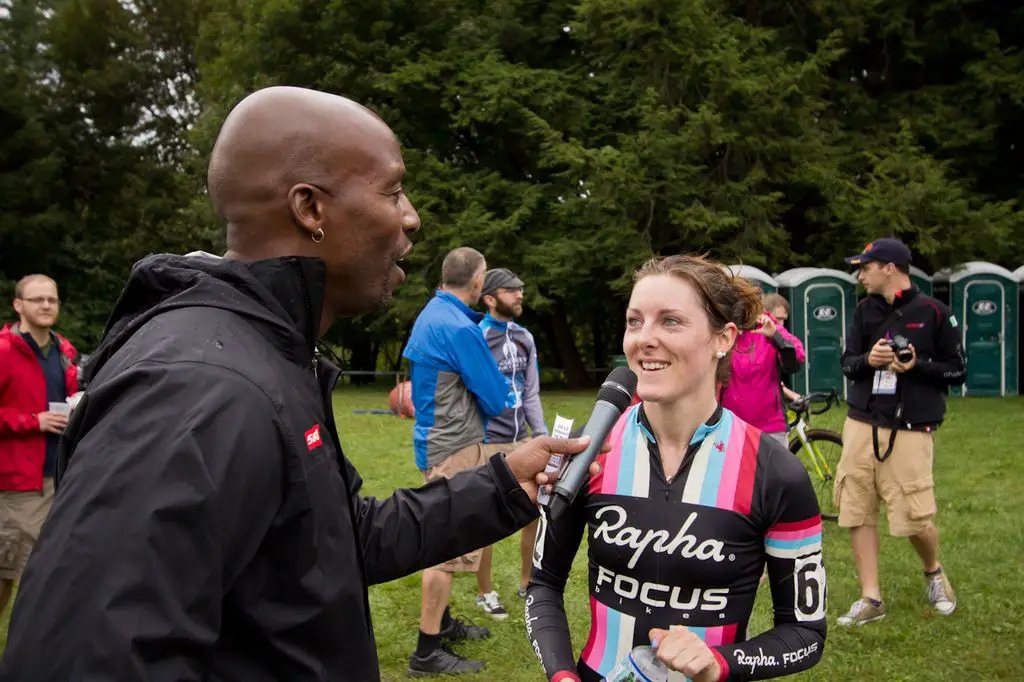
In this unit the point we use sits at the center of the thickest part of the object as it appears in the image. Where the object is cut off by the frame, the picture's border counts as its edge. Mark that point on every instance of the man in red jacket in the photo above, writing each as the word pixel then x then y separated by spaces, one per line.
pixel 37 369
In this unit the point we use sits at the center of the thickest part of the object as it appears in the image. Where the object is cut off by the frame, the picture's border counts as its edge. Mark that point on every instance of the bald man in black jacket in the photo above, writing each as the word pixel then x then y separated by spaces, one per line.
pixel 208 525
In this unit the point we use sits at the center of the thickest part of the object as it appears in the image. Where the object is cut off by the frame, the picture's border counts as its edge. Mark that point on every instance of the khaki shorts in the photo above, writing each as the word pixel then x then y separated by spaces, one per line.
pixel 466 458
pixel 903 481
pixel 491 449
pixel 22 514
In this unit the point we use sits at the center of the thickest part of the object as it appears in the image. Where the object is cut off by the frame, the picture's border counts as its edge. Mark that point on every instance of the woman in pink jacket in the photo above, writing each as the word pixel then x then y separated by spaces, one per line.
pixel 759 358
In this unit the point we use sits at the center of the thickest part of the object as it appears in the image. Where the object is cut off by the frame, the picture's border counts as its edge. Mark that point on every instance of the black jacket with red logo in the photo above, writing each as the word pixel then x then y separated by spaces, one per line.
pixel 934 332
pixel 207 525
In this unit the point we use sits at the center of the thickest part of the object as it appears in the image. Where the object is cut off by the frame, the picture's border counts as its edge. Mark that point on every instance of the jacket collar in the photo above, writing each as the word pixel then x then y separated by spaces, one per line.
pixel 454 300
pixel 712 424
pixel 282 297
pixel 493 322
pixel 62 344
pixel 297 284
pixel 901 298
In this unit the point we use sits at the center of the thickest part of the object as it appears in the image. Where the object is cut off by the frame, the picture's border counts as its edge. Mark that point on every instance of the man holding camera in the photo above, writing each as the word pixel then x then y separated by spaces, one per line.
pixel 902 353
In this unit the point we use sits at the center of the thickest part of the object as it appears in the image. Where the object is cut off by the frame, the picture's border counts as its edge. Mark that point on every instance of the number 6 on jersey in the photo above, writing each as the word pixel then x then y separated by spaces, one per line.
pixel 809 590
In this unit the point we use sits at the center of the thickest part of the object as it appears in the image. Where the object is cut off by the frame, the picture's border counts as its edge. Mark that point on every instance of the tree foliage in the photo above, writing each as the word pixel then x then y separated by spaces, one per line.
pixel 569 140
pixel 95 106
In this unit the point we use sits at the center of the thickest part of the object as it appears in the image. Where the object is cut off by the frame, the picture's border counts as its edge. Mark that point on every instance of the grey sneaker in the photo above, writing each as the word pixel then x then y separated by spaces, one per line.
pixel 940 594
pixel 492 605
pixel 862 612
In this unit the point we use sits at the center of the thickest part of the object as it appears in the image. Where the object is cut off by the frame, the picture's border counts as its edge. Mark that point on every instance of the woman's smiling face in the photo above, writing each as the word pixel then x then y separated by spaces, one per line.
pixel 669 342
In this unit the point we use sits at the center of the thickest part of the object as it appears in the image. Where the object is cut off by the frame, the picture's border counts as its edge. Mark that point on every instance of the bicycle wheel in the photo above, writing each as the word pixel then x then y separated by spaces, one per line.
pixel 822 465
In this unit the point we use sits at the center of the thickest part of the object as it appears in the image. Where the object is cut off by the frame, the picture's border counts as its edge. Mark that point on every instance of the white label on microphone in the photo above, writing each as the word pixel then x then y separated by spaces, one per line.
pixel 561 429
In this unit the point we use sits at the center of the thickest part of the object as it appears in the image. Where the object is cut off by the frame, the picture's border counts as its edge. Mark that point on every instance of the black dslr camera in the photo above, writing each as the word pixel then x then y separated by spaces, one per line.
pixel 901 346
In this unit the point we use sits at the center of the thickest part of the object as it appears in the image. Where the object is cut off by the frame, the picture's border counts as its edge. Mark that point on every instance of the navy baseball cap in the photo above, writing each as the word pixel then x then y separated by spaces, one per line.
pixel 884 250
pixel 501 278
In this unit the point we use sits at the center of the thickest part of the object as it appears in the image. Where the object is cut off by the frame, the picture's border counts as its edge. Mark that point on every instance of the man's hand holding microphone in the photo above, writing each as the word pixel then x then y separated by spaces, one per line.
pixel 528 462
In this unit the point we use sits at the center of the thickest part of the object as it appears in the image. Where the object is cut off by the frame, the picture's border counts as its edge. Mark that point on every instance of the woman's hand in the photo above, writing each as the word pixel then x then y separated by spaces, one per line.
pixel 685 652
pixel 768 326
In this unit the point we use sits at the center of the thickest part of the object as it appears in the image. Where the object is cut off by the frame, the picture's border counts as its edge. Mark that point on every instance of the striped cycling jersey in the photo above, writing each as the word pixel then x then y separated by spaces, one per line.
pixel 687 550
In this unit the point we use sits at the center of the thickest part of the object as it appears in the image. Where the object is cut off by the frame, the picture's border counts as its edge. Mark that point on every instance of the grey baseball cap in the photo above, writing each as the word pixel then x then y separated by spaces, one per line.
pixel 501 278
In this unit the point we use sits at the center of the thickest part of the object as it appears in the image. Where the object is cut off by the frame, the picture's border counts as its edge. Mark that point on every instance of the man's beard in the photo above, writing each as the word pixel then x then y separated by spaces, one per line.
pixel 508 310
pixel 387 296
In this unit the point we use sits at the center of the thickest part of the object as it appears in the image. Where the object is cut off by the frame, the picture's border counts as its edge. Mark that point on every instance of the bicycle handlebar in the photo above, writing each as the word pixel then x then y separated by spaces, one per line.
pixel 802 405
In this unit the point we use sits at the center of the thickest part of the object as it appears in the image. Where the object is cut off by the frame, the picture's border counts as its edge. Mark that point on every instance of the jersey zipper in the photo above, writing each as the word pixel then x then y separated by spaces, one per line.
pixel 691 452
pixel 515 411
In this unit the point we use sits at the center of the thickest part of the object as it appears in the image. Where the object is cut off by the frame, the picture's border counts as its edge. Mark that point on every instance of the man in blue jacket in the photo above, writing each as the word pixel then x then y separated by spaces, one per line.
pixel 456 388
pixel 515 352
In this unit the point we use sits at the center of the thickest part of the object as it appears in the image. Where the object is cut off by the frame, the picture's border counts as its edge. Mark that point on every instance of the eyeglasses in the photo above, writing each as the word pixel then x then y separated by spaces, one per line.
pixel 39 300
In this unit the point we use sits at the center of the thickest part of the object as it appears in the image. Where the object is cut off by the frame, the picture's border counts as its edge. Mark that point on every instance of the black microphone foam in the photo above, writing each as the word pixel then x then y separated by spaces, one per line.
pixel 618 388
pixel 614 397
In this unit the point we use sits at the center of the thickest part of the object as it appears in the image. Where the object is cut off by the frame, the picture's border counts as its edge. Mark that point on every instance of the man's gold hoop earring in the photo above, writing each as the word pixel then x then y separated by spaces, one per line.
pixel 318 236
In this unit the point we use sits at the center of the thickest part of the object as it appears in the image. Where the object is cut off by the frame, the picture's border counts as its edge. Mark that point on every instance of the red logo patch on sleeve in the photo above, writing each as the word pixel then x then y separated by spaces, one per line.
pixel 313 438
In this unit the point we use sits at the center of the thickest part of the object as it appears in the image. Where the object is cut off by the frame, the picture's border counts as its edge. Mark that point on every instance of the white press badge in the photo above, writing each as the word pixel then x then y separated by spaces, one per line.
pixel 885 383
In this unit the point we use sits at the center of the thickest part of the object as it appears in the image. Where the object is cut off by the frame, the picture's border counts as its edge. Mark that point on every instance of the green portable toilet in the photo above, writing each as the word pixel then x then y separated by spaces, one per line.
pixel 822 303
pixel 1019 274
pixel 759 277
pixel 921 279
pixel 984 301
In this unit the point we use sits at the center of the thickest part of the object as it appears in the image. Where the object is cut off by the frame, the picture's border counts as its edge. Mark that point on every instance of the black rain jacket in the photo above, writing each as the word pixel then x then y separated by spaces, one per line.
pixel 208 525
pixel 930 326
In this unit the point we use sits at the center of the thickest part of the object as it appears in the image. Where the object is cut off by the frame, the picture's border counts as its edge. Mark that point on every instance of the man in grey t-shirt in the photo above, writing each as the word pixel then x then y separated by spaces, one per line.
pixel 515 352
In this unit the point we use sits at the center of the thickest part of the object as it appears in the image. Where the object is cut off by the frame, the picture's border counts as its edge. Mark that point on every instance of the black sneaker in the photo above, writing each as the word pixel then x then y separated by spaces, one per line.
pixel 460 631
pixel 442 661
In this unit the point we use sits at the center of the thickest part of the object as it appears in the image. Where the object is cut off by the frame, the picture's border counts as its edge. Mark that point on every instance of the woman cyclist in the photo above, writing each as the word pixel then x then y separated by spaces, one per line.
pixel 690 505
pixel 760 357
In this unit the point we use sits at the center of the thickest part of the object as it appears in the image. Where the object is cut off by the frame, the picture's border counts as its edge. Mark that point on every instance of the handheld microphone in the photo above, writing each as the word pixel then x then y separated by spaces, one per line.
pixel 615 396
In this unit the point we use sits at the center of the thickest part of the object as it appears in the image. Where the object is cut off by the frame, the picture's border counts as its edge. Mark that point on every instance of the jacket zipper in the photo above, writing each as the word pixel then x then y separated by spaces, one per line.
pixel 519 399
pixel 308 304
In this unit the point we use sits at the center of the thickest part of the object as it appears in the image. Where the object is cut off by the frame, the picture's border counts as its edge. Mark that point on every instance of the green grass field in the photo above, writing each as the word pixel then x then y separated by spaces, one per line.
pixel 980 483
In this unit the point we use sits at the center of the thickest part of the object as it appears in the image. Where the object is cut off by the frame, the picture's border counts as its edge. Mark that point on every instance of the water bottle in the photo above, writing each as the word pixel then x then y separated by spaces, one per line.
pixel 639 665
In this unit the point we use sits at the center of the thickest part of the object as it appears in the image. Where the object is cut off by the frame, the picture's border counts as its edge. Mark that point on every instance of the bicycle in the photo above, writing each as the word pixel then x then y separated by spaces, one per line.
pixel 821 449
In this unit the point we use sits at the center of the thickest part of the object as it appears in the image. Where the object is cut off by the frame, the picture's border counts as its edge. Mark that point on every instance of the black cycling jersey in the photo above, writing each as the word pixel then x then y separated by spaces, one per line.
pixel 687 550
